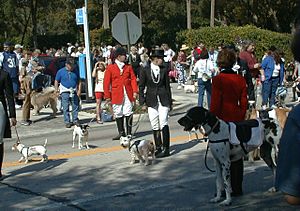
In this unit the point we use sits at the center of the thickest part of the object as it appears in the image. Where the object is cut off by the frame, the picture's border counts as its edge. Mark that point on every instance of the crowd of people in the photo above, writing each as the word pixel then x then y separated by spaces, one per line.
pixel 229 76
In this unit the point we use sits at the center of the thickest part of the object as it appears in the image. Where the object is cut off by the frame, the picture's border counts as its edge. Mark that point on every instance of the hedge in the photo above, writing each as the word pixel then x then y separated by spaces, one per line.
pixel 214 36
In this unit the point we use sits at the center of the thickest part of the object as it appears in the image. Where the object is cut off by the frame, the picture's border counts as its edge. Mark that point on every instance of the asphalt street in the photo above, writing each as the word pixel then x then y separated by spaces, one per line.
pixel 101 178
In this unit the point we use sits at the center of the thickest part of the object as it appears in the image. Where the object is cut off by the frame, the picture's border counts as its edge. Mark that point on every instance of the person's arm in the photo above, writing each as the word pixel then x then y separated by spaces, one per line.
pixel 142 85
pixel 94 73
pixel 107 84
pixel 216 96
pixel 133 82
pixel 79 87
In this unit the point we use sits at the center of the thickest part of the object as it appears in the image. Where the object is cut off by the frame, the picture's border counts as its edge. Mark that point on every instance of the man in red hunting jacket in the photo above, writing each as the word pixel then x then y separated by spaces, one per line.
pixel 121 90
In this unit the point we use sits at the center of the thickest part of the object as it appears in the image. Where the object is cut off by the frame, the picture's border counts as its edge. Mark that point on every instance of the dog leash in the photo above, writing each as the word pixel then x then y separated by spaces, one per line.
pixel 205 160
pixel 18 138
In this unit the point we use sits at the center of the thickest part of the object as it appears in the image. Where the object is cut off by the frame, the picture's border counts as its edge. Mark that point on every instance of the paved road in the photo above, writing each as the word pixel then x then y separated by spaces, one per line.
pixel 102 178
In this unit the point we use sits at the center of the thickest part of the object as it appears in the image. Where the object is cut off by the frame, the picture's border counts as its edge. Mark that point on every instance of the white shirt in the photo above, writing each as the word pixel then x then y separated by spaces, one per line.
pixel 99 81
pixel 155 69
pixel 168 55
pixel 276 70
pixel 204 66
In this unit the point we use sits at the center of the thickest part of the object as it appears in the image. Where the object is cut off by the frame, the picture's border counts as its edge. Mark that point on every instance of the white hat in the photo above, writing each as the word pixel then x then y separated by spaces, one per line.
pixel 109 47
pixel 17 46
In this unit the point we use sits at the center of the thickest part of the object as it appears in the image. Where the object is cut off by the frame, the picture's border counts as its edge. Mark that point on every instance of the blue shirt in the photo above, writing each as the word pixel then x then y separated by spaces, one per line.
pixel 10 63
pixel 68 79
pixel 288 167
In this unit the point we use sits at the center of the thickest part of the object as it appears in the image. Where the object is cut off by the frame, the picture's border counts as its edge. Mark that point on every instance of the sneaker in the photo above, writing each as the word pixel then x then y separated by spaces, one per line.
pixel 68 125
pixel 25 123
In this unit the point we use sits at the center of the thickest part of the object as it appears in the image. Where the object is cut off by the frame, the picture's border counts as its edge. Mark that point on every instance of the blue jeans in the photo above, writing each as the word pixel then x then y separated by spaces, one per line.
pixel 269 91
pixel 66 100
pixel 204 86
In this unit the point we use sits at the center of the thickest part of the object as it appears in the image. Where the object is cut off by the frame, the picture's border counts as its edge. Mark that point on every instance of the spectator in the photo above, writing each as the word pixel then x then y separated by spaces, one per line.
pixel 7 119
pixel 274 73
pixel 205 69
pixel 181 65
pixel 18 52
pixel 98 73
pixel 169 54
pixel 120 90
pixel 247 54
pixel 144 57
pixel 288 167
pixel 135 60
pixel 155 80
pixel 9 63
pixel 69 89
pixel 229 103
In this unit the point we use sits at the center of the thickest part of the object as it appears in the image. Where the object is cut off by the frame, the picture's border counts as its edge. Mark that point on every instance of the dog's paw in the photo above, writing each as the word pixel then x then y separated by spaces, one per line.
pixel 215 200
pixel 73 146
pixel 226 202
pixel 87 146
pixel 26 161
pixel 147 163
pixel 132 162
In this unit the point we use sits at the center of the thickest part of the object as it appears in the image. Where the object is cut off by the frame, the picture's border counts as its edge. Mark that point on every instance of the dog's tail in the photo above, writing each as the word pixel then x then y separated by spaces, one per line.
pixel 45 142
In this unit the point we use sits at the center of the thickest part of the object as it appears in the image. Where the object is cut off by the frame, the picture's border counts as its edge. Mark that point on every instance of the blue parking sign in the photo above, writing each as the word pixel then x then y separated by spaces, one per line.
pixel 79 16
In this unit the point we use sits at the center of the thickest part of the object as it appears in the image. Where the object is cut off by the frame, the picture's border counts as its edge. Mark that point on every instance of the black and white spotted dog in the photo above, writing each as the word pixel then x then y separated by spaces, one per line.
pixel 81 130
pixel 221 135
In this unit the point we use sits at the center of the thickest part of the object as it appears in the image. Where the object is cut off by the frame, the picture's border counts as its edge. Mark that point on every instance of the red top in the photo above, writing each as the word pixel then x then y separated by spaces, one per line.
pixel 250 59
pixel 114 83
pixel 229 97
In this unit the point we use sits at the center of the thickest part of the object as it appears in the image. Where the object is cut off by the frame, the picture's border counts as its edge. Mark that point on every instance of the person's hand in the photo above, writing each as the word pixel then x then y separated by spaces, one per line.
pixel 257 65
pixel 108 101
pixel 135 95
pixel 171 107
pixel 79 94
pixel 13 122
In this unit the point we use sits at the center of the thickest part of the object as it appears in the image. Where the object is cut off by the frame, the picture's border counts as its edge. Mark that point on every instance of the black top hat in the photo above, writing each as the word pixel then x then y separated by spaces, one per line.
pixel 157 53
pixel 120 51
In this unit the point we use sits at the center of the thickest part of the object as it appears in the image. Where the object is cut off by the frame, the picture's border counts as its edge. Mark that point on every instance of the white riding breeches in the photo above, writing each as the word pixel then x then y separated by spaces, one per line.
pixel 158 116
pixel 124 109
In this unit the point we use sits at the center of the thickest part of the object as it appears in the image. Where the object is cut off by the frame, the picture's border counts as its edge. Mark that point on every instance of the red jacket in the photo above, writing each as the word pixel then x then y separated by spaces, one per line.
pixel 114 83
pixel 251 61
pixel 229 97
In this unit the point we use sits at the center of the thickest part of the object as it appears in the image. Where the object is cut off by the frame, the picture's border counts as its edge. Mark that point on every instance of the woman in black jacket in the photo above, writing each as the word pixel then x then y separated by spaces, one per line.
pixel 158 98
pixel 6 95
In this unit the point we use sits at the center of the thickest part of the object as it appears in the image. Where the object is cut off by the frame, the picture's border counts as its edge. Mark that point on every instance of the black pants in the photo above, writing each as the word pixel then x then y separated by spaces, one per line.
pixel 237 173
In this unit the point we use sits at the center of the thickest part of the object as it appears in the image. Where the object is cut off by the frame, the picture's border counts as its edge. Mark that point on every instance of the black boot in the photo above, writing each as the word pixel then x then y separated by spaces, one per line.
pixel 129 124
pixel 1 158
pixel 237 171
pixel 166 142
pixel 157 140
pixel 120 125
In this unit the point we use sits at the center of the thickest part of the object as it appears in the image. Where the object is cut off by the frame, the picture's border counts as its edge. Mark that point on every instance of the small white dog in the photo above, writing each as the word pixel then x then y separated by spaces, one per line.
pixel 138 148
pixel 190 88
pixel 81 130
pixel 26 152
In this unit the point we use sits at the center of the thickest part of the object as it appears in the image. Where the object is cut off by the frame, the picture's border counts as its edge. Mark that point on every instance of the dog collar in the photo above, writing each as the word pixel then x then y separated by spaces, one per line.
pixel 211 130
pixel 136 143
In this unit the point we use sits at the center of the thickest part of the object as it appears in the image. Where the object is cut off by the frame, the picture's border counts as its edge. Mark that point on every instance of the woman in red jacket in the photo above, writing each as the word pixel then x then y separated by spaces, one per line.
pixel 229 103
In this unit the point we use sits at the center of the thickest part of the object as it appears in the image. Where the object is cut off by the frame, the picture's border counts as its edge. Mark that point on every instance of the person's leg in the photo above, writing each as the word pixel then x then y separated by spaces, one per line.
pixel 201 89
pixel 1 158
pixel 274 86
pixel 237 173
pixel 65 104
pixel 118 112
pixel 208 93
pixel 75 108
pixel 154 121
pixel 163 121
pixel 98 104
pixel 26 107
pixel 266 88
pixel 127 111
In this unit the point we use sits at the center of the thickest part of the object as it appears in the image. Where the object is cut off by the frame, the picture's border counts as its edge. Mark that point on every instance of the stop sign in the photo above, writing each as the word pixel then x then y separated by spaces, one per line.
pixel 126 28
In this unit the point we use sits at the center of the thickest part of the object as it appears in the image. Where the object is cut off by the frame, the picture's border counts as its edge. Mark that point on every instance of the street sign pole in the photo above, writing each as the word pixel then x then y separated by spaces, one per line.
pixel 88 52
pixel 128 37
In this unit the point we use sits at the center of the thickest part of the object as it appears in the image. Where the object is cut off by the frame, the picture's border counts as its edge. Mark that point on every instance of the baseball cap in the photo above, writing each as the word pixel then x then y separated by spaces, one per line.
pixel 17 46
pixel 7 44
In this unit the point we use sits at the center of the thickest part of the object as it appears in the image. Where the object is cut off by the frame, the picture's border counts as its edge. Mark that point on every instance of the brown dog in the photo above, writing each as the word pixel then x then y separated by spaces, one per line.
pixel 44 98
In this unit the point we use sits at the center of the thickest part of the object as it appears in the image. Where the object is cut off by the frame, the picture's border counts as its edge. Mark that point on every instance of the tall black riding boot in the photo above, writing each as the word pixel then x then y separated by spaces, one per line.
pixel 237 173
pixel 129 124
pixel 157 140
pixel 1 157
pixel 120 125
pixel 166 142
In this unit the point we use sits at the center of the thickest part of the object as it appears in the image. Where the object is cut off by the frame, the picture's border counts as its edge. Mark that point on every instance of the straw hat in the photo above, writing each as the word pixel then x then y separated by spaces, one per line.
pixel 184 47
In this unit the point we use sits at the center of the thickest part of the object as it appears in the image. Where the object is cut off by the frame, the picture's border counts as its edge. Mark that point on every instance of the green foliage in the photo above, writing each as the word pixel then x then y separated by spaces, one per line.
pixel 100 35
pixel 233 34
